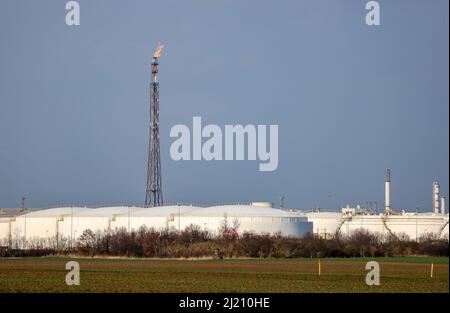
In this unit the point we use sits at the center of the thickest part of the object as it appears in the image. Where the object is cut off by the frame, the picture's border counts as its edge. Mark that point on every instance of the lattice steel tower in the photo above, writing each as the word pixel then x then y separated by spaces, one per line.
pixel 154 196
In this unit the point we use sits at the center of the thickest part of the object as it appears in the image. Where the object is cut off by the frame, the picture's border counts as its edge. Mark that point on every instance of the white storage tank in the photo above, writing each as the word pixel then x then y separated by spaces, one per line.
pixel 68 223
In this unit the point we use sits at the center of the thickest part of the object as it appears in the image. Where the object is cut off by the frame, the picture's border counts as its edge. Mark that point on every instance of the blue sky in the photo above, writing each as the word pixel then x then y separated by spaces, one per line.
pixel 350 100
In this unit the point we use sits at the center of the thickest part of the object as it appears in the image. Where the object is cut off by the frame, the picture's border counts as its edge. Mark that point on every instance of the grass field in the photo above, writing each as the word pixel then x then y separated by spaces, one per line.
pixel 242 275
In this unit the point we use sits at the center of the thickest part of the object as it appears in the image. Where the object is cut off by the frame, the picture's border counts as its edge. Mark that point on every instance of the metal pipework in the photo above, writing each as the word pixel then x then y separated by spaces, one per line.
pixel 154 69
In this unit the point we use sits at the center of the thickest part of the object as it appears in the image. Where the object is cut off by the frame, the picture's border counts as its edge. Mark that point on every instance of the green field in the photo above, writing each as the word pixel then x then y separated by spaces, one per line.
pixel 239 275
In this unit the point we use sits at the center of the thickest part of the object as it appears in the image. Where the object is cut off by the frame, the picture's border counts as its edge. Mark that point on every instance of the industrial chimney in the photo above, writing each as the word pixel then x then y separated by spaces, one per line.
pixel 443 205
pixel 436 188
pixel 387 192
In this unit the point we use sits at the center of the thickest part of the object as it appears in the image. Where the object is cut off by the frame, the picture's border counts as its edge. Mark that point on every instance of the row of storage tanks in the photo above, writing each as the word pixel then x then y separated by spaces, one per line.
pixel 261 217
pixel 70 222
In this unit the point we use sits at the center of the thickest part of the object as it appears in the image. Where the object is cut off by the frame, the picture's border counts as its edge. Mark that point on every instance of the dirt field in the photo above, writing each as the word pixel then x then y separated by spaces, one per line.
pixel 253 275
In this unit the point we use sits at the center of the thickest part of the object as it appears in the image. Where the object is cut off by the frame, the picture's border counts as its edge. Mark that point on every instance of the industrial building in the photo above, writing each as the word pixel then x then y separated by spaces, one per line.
pixel 412 224
pixel 68 223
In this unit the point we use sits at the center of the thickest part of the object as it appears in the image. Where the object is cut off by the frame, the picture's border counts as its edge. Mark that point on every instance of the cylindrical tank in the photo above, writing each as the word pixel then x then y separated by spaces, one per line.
pixel 262 204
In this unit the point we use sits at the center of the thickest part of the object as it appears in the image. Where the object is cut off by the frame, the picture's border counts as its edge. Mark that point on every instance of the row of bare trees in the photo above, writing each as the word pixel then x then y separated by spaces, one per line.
pixel 195 242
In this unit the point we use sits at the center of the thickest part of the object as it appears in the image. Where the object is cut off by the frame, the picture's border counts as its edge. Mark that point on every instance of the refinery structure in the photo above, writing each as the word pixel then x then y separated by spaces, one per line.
pixel 21 229
pixel 64 225
pixel 390 222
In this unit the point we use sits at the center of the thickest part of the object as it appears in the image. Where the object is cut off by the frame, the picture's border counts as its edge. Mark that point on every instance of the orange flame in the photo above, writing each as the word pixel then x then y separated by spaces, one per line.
pixel 158 50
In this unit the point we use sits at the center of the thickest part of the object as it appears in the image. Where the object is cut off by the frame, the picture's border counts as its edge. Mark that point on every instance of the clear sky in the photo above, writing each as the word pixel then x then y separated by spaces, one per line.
pixel 350 100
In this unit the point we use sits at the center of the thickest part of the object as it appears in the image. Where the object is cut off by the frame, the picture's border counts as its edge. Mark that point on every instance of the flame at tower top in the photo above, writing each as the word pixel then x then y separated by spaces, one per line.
pixel 158 50
pixel 156 56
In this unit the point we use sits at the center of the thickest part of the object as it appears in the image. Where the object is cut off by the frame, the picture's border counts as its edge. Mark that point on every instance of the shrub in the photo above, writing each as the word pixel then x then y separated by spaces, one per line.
pixel 195 242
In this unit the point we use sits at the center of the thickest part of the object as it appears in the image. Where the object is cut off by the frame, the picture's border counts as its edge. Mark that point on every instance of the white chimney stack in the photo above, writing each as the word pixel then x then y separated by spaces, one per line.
pixel 436 188
pixel 443 205
pixel 387 192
